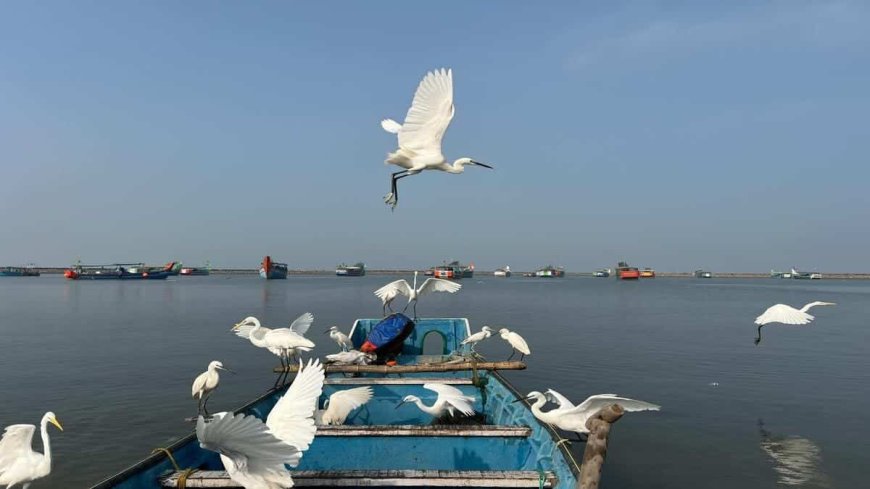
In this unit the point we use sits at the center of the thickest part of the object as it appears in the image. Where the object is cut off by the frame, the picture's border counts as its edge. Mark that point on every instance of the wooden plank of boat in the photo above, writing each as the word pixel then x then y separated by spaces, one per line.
pixel 407 369
pixel 384 478
pixel 396 380
pixel 426 430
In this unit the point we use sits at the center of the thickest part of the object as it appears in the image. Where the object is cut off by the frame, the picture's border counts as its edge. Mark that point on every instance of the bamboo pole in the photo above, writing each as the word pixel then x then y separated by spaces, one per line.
pixel 405 369
pixel 596 445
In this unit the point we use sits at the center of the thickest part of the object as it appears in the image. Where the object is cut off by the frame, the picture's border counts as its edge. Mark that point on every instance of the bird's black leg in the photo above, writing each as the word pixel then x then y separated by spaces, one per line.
pixel 199 406
pixel 415 310
pixel 392 198
pixel 205 404
pixel 758 340
pixel 522 356
pixel 283 369
pixel 513 352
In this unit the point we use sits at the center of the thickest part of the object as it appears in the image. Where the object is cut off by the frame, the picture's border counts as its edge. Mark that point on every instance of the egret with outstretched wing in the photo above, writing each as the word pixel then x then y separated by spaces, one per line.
pixel 401 287
pixel 449 401
pixel 573 418
pixel 785 314
pixel 340 404
pixel 19 463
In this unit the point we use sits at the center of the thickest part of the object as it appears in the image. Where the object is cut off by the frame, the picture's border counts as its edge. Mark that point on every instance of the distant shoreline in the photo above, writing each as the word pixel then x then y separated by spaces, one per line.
pixel 488 273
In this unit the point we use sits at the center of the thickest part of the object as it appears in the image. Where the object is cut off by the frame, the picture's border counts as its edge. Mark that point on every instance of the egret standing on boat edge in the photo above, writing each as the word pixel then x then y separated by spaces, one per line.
pixel 205 383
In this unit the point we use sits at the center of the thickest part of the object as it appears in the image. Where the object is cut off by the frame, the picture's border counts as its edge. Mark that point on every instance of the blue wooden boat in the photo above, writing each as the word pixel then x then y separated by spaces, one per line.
pixel 271 270
pixel 28 271
pixel 381 446
pixel 120 271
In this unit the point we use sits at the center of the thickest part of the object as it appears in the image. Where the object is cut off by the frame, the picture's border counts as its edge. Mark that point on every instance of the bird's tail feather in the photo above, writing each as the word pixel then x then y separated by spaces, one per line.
pixel 391 126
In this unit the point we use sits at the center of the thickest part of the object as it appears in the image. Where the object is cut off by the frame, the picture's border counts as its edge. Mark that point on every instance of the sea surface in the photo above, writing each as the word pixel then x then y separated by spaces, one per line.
pixel 115 360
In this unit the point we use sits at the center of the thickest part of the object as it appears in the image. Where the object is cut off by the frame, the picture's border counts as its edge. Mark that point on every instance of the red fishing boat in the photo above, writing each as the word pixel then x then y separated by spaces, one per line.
pixel 625 272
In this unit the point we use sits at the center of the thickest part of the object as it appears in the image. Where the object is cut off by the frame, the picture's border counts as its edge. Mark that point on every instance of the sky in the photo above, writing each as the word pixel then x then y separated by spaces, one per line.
pixel 730 136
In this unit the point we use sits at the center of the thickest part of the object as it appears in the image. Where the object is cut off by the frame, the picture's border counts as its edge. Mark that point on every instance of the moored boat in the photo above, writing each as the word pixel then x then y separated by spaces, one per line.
pixel 356 270
pixel 602 273
pixel 117 271
pixel 702 274
pixel 382 446
pixel 25 271
pixel 550 271
pixel 805 275
pixel 196 271
pixel 647 273
pixel 625 272
pixel 271 270
pixel 173 268
pixel 503 272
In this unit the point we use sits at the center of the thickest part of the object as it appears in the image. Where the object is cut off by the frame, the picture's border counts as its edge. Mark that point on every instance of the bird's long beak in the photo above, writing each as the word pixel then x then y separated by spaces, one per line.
pixel 236 326
pixel 400 404
pixel 481 164
pixel 226 369
pixel 327 331
pixel 55 422
pixel 523 399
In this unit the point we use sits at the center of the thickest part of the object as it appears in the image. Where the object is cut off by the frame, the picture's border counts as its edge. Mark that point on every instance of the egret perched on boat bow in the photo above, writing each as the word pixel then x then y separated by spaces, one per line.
pixel 255 453
pixel 283 342
pixel 337 336
pixel 450 399
pixel 421 134
pixel 412 292
pixel 205 383
pixel 340 404
pixel 19 463
pixel 484 333
pixel 569 417
pixel 518 344
pixel 785 314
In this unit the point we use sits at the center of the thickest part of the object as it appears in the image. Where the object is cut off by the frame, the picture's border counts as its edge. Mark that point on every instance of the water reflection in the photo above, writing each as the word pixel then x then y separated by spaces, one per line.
pixel 796 460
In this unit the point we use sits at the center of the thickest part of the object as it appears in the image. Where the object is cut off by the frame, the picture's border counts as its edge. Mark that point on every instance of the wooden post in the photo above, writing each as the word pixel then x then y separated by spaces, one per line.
pixel 596 445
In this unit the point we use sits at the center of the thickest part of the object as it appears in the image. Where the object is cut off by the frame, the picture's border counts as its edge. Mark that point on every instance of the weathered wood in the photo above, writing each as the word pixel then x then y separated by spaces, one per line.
pixel 425 430
pixel 396 380
pixel 407 369
pixel 596 445
pixel 384 478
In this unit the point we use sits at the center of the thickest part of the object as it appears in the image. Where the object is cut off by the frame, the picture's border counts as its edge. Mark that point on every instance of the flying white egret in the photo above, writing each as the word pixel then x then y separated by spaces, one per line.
pixel 337 336
pixel 351 357
pixel 484 333
pixel 518 344
pixel 254 453
pixel 205 383
pixel 19 463
pixel 339 405
pixel 784 314
pixel 569 417
pixel 284 342
pixel 450 399
pixel 402 287
pixel 421 134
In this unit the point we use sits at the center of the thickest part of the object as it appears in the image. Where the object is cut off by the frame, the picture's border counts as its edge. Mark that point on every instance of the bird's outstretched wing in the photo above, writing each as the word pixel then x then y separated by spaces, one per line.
pixel 559 399
pixel 301 324
pixel 781 313
pixel 439 285
pixel 248 443
pixel 391 126
pixel 454 397
pixel 429 115
pixel 245 332
pixel 594 403
pixel 16 441
pixel 816 303
pixel 292 418
pixel 343 402
pixel 401 286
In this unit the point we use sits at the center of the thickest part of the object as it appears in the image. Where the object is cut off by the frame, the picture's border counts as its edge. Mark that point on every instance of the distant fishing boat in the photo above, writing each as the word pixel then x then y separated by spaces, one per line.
pixel 173 267
pixel 703 274
pixel 503 272
pixel 647 273
pixel 25 271
pixel 196 271
pixel 270 270
pixel 775 274
pixel 117 271
pixel 355 270
pixel 805 275
pixel 505 445
pixel 550 271
pixel 625 272
pixel 604 272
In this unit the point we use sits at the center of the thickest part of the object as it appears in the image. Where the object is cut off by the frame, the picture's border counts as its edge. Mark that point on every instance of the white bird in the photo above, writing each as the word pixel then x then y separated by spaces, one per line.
pixel 254 453
pixel 450 399
pixel 784 314
pixel 569 417
pixel 401 286
pixel 421 134
pixel 484 333
pixel 337 336
pixel 518 344
pixel 339 405
pixel 205 383
pixel 284 342
pixel 351 357
pixel 19 463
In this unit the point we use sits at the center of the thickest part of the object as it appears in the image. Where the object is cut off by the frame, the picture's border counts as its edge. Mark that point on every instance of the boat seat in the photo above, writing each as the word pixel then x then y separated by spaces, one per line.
pixel 426 430
pixel 384 478
pixel 397 380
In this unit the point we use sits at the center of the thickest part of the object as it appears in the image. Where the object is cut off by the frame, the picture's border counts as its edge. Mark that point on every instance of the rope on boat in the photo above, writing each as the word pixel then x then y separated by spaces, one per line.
pixel 184 474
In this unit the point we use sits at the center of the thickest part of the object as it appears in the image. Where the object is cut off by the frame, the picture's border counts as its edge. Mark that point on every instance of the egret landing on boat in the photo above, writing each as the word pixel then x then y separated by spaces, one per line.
pixel 254 453
pixel 19 463
pixel 569 417
pixel 283 342
pixel 784 314
pixel 337 336
pixel 518 344
pixel 340 404
pixel 421 134
pixel 205 383
pixel 392 289
pixel 450 399
pixel 484 333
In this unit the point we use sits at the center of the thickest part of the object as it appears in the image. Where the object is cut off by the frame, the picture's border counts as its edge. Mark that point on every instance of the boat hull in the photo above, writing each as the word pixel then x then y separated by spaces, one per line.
pixel 18 272
pixel 271 270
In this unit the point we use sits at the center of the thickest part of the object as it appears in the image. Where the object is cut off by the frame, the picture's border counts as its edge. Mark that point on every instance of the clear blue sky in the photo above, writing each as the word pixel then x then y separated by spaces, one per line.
pixel 726 135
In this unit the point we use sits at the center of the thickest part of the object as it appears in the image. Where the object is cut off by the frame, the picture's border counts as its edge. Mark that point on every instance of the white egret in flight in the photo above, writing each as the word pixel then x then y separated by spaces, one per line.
pixel 205 383
pixel 340 404
pixel 569 417
pixel 421 134
pixel 518 344
pixel 337 336
pixel 450 399
pixel 784 314
pixel 402 287
pixel 351 357
pixel 284 342
pixel 476 338
pixel 254 453
pixel 19 463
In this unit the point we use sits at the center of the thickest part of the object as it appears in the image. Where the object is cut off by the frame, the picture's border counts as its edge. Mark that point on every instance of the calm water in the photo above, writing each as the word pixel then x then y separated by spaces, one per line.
pixel 115 361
